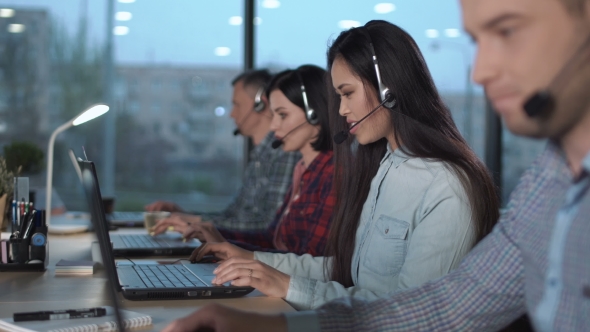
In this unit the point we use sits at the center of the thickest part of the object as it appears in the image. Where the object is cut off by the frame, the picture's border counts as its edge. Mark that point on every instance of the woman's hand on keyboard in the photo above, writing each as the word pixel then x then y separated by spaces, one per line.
pixel 253 273
pixel 222 250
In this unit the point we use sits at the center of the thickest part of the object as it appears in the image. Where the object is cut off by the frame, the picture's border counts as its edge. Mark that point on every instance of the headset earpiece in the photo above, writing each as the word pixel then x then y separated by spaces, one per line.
pixel 259 104
pixel 310 113
pixel 387 97
pixel 311 116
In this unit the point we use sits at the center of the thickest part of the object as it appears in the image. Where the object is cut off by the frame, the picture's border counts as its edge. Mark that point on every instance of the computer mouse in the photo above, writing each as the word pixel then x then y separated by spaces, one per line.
pixel 35 261
pixel 207 259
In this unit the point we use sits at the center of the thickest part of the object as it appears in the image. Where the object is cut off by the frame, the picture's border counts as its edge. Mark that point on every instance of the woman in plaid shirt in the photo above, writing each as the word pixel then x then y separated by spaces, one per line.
pixel 299 102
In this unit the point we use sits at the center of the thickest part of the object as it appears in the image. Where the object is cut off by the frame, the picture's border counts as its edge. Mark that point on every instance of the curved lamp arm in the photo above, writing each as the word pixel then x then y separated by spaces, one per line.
pixel 89 114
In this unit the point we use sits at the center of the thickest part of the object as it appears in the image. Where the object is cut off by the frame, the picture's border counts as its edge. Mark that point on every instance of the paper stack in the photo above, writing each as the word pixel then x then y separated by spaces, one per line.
pixel 66 267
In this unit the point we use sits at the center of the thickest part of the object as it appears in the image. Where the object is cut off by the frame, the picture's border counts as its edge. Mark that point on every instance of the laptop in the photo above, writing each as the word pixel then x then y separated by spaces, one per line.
pixel 154 281
pixel 126 218
pixel 116 218
pixel 136 245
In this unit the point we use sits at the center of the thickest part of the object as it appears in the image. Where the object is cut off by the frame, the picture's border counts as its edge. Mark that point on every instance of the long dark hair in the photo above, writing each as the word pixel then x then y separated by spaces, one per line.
pixel 423 128
pixel 314 78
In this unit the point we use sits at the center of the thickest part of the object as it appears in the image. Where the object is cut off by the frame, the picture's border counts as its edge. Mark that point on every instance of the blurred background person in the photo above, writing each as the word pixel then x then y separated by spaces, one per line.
pixel 268 173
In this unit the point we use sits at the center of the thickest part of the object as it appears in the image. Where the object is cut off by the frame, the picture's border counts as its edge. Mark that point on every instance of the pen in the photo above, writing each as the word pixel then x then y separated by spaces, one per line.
pixel 17 214
pixel 23 223
pixel 29 224
pixel 59 314
pixel 13 215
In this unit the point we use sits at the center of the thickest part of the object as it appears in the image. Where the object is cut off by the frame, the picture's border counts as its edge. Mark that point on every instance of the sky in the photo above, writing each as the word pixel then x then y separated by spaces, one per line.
pixel 289 32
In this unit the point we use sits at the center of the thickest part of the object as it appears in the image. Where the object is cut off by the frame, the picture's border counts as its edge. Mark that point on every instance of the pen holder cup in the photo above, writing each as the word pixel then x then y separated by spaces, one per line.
pixel 19 250
pixel 27 255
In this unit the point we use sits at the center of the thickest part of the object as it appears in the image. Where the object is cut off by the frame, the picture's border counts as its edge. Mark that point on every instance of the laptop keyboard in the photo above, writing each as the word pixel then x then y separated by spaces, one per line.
pixel 125 215
pixel 167 276
pixel 140 241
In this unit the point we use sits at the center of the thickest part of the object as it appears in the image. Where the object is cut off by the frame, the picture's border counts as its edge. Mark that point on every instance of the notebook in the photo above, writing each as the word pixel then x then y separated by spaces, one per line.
pixel 74 267
pixel 131 320
pixel 141 245
pixel 153 282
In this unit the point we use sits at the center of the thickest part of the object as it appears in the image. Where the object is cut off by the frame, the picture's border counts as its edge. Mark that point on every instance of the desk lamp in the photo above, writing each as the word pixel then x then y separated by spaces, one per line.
pixel 89 114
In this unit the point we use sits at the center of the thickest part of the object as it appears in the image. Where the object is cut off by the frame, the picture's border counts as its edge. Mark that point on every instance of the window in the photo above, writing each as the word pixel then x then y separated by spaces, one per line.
pixel 160 71
pixel 156 108
pixel 175 76
pixel 285 39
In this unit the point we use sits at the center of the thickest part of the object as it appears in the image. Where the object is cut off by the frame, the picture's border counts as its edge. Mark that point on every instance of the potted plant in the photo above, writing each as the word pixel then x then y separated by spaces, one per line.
pixel 20 159
pixel 23 157
pixel 6 184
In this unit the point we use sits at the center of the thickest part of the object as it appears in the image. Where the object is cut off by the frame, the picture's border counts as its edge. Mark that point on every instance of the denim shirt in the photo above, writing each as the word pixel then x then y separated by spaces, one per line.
pixel 415 226
pixel 535 261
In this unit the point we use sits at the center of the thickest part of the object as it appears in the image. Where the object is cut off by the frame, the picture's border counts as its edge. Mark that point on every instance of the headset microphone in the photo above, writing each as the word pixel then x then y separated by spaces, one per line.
pixel 343 135
pixel 544 100
pixel 278 142
pixel 538 103
pixel 237 130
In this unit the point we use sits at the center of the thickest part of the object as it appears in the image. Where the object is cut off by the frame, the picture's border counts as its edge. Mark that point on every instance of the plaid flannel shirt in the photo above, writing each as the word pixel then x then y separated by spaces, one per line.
pixel 304 228
pixel 266 180
pixel 538 253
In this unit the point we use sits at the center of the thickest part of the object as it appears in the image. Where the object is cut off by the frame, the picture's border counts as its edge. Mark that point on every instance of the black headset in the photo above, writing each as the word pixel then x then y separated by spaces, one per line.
pixel 386 96
pixel 259 104
pixel 310 113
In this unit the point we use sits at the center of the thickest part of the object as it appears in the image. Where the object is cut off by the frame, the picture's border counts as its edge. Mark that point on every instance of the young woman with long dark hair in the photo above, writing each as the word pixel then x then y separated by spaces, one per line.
pixel 412 197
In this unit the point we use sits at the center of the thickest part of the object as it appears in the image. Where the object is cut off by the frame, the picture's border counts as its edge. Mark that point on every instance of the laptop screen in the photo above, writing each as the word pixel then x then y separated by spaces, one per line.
pixel 93 196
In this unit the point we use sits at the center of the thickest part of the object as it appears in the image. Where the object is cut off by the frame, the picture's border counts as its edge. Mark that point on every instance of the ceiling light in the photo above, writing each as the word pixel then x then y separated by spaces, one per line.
pixel 222 51
pixel 123 16
pixel 16 28
pixel 6 12
pixel 432 33
pixel 384 8
pixel 120 30
pixel 271 4
pixel 235 20
pixel 347 24
pixel 219 111
pixel 452 33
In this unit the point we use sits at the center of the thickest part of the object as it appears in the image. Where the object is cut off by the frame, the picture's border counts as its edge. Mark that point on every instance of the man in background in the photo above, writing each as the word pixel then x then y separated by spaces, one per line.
pixel 268 173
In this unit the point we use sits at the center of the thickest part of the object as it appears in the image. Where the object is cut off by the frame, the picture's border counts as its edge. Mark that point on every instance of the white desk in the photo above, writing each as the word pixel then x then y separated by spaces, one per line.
pixel 33 291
